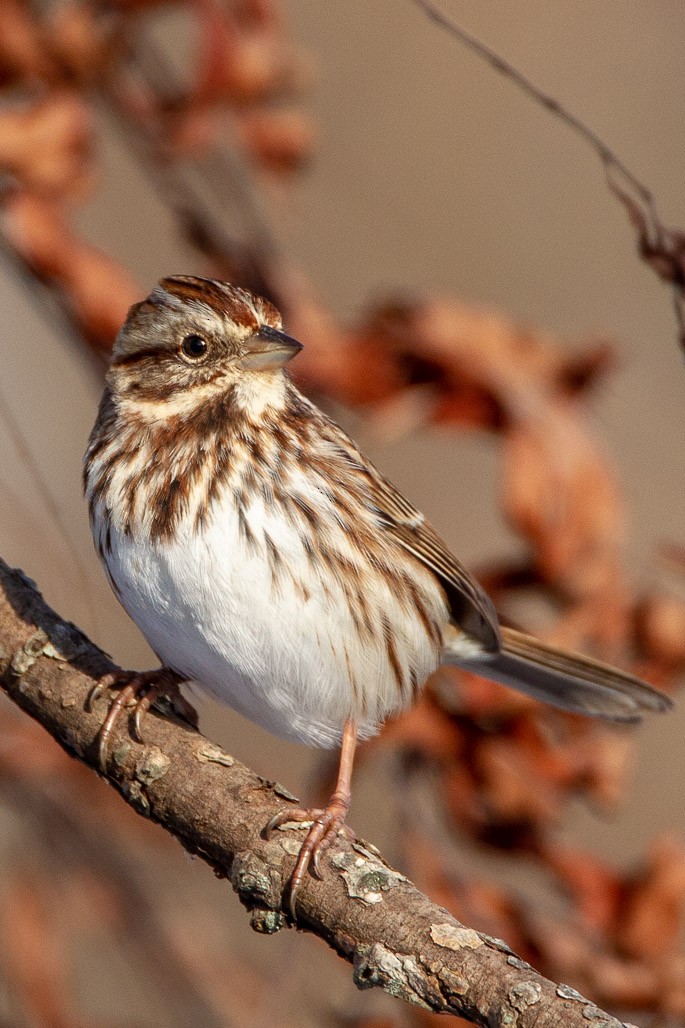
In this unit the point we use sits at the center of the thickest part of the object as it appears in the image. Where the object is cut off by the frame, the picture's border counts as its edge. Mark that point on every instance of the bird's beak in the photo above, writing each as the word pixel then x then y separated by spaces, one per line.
pixel 268 349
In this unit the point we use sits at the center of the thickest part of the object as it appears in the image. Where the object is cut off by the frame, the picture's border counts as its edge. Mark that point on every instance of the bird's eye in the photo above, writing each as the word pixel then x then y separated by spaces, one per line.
pixel 194 347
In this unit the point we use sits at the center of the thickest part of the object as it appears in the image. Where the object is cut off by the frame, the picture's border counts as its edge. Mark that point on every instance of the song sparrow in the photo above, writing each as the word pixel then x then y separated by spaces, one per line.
pixel 265 558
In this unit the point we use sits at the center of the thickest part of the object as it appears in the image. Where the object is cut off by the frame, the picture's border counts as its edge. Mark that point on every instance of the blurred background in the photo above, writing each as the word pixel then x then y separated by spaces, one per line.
pixel 476 313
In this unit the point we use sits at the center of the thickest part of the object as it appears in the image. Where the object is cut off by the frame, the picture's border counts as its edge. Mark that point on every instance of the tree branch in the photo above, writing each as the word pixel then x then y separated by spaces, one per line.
pixel 367 912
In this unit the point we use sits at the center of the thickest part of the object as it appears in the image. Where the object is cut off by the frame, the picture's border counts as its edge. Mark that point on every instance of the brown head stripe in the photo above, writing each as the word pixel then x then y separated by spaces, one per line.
pixel 224 299
pixel 127 359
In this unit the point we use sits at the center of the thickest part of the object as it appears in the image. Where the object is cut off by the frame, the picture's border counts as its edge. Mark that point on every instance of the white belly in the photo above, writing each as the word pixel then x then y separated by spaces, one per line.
pixel 283 652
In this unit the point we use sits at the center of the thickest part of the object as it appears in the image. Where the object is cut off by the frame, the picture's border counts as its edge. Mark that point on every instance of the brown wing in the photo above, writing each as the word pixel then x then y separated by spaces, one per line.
pixel 471 607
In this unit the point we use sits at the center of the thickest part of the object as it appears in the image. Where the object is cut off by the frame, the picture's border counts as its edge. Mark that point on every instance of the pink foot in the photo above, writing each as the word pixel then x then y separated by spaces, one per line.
pixel 327 824
pixel 140 689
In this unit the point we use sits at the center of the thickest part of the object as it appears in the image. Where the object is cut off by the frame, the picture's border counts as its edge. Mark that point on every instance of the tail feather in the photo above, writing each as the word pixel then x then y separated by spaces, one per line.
pixel 566 680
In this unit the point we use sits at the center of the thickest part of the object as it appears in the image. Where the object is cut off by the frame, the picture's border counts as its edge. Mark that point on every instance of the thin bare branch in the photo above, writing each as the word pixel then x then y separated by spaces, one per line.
pixel 663 249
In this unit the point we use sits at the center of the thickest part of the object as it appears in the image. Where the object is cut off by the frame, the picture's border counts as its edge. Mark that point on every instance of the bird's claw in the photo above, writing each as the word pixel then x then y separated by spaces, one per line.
pixel 95 693
pixel 325 825
pixel 284 817
pixel 141 688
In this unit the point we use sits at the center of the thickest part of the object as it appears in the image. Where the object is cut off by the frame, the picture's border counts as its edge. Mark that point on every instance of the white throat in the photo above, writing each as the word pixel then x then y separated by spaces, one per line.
pixel 254 394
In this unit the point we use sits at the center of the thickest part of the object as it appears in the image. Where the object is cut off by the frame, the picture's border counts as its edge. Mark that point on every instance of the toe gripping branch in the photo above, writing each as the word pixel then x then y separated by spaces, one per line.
pixel 326 822
pixel 138 689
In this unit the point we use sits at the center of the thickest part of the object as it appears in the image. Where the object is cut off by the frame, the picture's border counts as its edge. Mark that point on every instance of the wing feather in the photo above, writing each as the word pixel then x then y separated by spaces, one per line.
pixel 471 608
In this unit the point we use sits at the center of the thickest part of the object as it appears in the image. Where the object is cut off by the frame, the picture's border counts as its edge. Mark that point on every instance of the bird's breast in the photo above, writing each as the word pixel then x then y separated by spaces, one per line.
pixel 276 608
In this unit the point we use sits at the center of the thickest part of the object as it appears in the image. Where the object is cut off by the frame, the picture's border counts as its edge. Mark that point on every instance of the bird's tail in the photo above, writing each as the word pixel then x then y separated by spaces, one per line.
pixel 567 680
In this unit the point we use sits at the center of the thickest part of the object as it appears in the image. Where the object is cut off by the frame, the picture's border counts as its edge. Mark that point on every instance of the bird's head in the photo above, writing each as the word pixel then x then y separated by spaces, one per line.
pixel 193 338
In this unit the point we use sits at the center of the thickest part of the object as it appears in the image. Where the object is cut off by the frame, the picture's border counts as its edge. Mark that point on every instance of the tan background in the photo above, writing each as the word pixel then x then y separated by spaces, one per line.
pixel 431 173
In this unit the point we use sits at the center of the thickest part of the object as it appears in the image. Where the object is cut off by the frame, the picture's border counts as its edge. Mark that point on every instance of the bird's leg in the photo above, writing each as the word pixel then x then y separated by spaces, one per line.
pixel 326 822
pixel 140 689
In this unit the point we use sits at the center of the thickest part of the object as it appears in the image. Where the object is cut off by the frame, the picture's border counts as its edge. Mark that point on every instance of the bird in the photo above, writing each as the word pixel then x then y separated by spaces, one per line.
pixel 266 560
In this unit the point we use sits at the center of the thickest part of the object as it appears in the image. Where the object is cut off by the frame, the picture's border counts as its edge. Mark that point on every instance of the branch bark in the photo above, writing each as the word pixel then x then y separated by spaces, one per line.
pixel 392 934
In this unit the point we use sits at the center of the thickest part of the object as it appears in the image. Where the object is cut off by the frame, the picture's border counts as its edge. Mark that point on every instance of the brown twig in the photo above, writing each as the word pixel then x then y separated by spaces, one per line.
pixel 663 249
pixel 372 916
